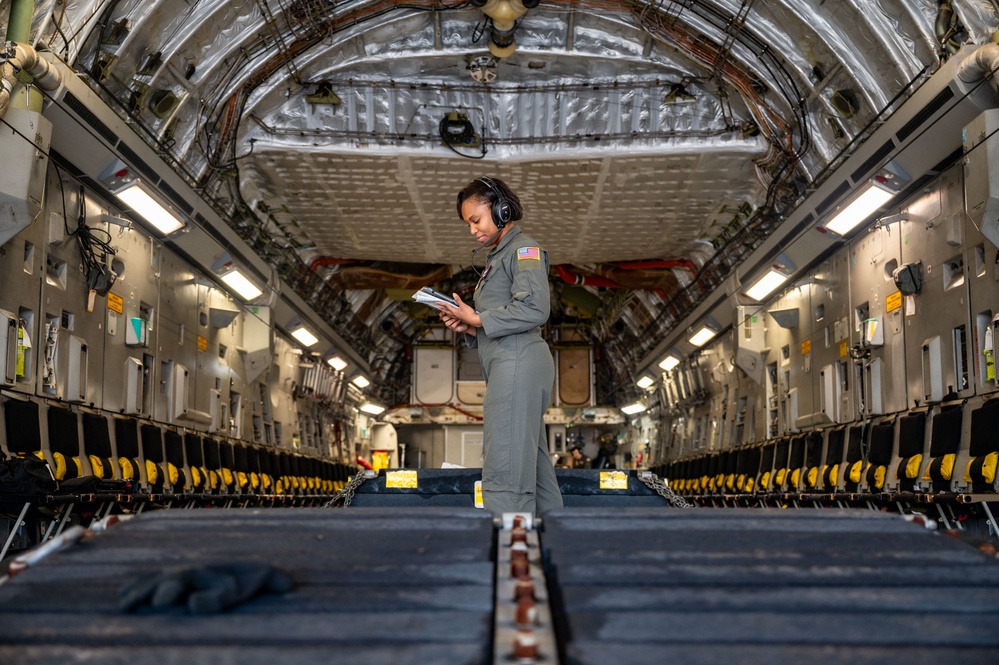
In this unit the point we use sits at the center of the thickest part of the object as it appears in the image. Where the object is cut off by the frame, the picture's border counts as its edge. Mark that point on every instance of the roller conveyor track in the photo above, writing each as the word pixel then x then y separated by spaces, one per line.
pixel 628 585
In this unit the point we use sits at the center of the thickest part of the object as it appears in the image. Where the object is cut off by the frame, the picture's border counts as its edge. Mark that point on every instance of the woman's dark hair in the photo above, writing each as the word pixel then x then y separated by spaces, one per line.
pixel 480 190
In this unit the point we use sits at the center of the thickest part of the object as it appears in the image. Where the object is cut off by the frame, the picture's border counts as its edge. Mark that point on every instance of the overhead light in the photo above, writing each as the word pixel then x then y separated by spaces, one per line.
pixel 360 381
pixel 632 409
pixel 702 336
pixel 645 382
pixel 304 336
pixel 140 199
pixel 337 363
pixel 862 207
pixel 766 285
pixel 238 282
pixel 669 363
pixel 372 408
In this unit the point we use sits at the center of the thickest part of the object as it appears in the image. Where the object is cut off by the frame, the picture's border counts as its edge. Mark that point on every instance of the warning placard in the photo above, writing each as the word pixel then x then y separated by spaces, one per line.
pixel 405 479
pixel 613 480
pixel 116 303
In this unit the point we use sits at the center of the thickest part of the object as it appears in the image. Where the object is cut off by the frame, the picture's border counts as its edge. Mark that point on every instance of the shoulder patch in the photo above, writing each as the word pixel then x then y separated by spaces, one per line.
pixel 529 253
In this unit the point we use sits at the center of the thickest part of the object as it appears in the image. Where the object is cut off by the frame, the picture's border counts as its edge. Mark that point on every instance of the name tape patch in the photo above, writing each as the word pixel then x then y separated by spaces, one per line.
pixel 529 253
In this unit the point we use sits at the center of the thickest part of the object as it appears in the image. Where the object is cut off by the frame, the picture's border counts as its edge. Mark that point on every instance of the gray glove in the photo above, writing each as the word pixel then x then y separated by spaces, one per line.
pixel 203 589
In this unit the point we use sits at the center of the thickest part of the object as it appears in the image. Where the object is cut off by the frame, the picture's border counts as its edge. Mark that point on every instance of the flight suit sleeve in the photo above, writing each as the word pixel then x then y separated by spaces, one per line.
pixel 471 341
pixel 530 303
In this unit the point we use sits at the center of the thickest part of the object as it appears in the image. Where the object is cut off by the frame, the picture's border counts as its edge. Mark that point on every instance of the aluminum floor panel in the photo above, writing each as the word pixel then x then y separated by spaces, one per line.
pixel 767 586
pixel 370 586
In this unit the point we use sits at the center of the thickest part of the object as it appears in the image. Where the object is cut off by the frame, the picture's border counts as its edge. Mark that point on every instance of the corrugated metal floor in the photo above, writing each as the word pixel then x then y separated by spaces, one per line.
pixel 371 586
pixel 631 586
pixel 769 586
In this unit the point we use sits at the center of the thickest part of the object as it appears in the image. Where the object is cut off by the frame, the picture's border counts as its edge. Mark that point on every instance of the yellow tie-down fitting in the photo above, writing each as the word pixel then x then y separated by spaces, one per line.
pixel 504 15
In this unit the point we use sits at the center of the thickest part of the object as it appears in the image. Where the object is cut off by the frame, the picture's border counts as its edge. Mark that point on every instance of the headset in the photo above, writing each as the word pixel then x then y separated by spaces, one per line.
pixel 501 208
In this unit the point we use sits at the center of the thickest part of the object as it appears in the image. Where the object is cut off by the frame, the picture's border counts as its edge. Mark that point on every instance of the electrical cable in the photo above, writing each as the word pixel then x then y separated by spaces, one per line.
pixel 487 243
pixel 95 244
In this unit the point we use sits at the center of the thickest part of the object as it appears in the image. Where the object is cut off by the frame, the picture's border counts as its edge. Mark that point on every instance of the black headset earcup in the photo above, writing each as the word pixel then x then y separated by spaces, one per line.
pixel 501 209
pixel 501 212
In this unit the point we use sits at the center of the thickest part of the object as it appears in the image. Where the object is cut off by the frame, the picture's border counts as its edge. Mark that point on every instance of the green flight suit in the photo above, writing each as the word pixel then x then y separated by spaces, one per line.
pixel 513 301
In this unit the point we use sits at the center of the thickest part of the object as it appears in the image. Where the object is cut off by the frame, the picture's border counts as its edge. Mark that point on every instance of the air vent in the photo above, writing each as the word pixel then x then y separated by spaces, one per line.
pixel 200 219
pixel 805 222
pixel 136 162
pixel 93 184
pixel 917 185
pixel 827 202
pixel 68 165
pixel 88 117
pixel 176 198
pixel 874 160
pixel 909 128
pixel 945 163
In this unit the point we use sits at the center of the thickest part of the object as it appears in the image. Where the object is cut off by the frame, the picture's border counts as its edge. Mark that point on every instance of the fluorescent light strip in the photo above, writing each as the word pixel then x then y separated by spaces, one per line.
pixel 246 289
pixel 645 382
pixel 632 409
pixel 702 336
pixel 360 381
pixel 669 363
pixel 142 203
pixel 766 285
pixel 861 208
pixel 305 336
pixel 372 408
pixel 337 363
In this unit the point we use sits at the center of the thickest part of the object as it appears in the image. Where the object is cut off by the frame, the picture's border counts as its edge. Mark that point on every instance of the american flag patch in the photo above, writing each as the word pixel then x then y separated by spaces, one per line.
pixel 529 253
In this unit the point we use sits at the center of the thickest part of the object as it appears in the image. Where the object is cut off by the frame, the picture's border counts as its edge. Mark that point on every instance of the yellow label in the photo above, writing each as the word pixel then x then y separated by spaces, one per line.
pixel 806 347
pixel 893 302
pixel 613 480
pixel 380 460
pixel 116 303
pixel 405 479
pixel 478 494
pixel 202 343
pixel 844 349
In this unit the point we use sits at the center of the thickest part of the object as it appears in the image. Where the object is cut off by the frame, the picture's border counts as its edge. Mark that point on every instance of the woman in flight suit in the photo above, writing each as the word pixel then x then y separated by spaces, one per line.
pixel 512 302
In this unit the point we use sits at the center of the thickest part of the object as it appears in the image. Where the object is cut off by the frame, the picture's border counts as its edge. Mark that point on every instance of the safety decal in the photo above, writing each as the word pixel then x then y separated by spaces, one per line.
pixel 404 479
pixel 529 253
pixel 613 480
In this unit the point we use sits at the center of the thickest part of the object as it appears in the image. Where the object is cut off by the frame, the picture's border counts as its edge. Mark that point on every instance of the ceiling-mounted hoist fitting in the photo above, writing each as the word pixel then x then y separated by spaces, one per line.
pixel 504 15
pixel 457 130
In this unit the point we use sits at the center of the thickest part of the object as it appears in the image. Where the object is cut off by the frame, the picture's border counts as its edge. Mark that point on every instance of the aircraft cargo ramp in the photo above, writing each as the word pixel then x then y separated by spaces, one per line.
pixel 447 585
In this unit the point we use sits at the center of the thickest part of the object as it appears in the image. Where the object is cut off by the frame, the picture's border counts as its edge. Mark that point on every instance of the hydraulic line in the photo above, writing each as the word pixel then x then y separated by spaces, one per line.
pixel 19 20
pixel 19 31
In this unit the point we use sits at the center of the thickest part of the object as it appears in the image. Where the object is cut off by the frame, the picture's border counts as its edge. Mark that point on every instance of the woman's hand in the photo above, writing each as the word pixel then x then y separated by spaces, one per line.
pixel 460 319
pixel 455 324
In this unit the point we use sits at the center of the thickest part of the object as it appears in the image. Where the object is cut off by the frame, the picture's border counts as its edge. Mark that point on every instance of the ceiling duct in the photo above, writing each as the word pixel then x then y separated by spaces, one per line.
pixel 19 59
pixel 981 179
pixel 504 15
pixel 25 146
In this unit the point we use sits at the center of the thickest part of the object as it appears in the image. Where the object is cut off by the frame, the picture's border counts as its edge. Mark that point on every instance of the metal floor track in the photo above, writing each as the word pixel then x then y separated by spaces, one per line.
pixel 626 585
